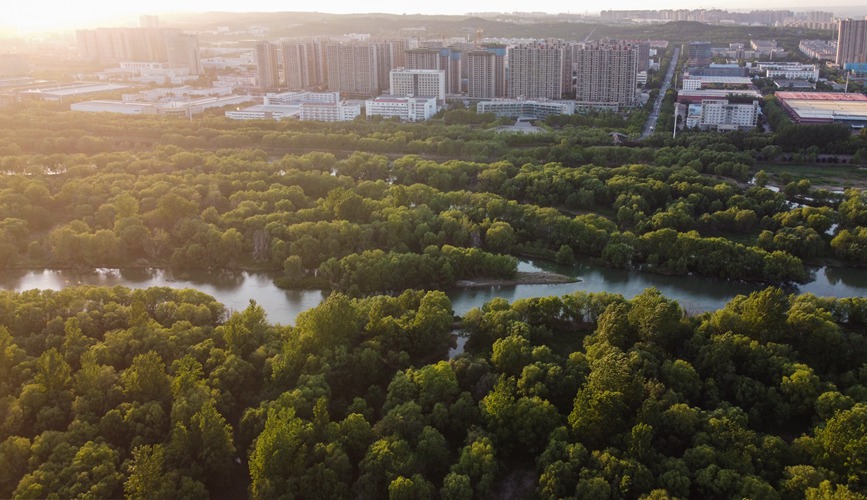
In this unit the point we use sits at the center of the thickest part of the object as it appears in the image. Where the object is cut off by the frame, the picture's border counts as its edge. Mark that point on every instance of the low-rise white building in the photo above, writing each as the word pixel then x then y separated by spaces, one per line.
pixel 121 107
pixel 517 108
pixel 176 108
pixel 287 98
pixel 411 109
pixel 790 70
pixel 312 106
pixel 329 112
pixel 720 115
pixel 265 111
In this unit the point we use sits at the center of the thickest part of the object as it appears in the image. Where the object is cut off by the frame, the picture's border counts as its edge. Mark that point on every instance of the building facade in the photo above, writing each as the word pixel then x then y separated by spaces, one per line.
pixel 851 41
pixel 183 52
pixel 790 70
pixel 329 112
pixel 514 108
pixel 819 49
pixel 481 75
pixel 412 109
pixel 301 61
pixel 606 74
pixel 353 69
pixel 536 70
pixel 267 69
pixel 114 45
pixel 720 115
pixel 418 82
pixel 447 59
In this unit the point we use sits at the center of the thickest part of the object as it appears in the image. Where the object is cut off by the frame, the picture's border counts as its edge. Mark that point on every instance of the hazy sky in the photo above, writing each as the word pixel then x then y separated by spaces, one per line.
pixel 38 15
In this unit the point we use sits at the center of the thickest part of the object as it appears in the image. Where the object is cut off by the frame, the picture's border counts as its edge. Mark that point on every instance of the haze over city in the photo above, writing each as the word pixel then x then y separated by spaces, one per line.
pixel 47 15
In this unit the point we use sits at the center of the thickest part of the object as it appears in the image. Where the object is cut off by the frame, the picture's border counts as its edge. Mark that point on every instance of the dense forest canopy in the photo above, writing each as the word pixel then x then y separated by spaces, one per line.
pixel 157 392
pixel 106 392
pixel 135 195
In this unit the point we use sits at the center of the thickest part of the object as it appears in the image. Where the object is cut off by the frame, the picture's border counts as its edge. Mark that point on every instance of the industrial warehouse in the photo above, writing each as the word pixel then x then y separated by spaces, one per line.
pixel 825 107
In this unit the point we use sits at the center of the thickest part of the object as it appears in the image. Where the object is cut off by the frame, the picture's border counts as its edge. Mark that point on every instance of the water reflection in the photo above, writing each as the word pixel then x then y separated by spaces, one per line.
pixel 235 289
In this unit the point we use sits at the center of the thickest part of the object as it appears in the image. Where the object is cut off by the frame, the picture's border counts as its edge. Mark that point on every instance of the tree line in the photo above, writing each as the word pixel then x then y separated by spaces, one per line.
pixel 109 391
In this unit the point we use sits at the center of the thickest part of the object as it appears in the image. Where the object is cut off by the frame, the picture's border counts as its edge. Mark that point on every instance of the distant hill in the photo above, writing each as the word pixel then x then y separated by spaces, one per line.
pixel 303 24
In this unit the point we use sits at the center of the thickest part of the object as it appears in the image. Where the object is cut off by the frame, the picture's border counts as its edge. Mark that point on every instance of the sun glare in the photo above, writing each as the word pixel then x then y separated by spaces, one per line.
pixel 36 17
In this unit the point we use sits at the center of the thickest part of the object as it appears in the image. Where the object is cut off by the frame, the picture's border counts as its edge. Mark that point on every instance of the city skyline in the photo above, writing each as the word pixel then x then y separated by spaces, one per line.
pixel 48 15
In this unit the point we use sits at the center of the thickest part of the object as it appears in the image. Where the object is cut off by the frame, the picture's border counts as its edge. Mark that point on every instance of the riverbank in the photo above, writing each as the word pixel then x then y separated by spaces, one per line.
pixel 521 278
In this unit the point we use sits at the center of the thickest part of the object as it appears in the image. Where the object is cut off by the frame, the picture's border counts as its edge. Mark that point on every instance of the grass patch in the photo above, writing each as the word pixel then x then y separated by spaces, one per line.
pixel 830 175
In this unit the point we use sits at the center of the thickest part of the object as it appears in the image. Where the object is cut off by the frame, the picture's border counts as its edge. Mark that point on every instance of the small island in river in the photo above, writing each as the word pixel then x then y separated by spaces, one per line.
pixel 521 278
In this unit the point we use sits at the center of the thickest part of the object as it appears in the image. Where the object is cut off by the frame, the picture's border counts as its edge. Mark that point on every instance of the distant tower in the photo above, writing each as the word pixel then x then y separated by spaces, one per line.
pixel 300 65
pixel 266 59
pixel 353 69
pixel 183 51
pixel 536 70
pixel 851 41
pixel 486 72
pixel 606 74
pixel 390 54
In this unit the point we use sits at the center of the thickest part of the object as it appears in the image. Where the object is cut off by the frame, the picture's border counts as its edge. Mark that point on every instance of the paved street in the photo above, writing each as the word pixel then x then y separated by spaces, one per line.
pixel 666 84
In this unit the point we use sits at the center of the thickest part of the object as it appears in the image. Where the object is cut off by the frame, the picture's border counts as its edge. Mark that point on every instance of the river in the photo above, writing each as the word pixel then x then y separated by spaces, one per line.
pixel 236 289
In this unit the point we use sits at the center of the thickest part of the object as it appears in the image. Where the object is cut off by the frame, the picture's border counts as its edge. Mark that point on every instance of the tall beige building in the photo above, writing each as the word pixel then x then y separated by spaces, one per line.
pixel 536 70
pixel 353 69
pixel 302 63
pixel 606 74
pixel 851 41
pixel 268 71
pixel 486 73
pixel 183 52
pixel 114 45
pixel 390 54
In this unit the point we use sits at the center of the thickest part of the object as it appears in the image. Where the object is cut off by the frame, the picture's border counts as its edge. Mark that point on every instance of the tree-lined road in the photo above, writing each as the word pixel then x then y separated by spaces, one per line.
pixel 666 84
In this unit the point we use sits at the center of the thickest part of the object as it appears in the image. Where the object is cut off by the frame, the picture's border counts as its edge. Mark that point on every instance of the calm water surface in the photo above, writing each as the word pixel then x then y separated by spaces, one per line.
pixel 236 289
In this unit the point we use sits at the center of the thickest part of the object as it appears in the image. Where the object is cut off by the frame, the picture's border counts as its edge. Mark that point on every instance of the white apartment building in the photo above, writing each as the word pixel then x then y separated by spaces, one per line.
pixel 418 82
pixel 329 112
pixel 720 115
pixel 412 109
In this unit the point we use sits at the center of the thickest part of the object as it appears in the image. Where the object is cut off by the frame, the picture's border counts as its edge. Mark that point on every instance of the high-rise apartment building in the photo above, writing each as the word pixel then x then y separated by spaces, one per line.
pixel 183 52
pixel 114 45
pixel 418 82
pixel 423 58
pixel 451 61
pixel 606 74
pixel 851 41
pixel 267 65
pixel 390 54
pixel 486 72
pixel 444 58
pixel 353 69
pixel 536 70
pixel 302 63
